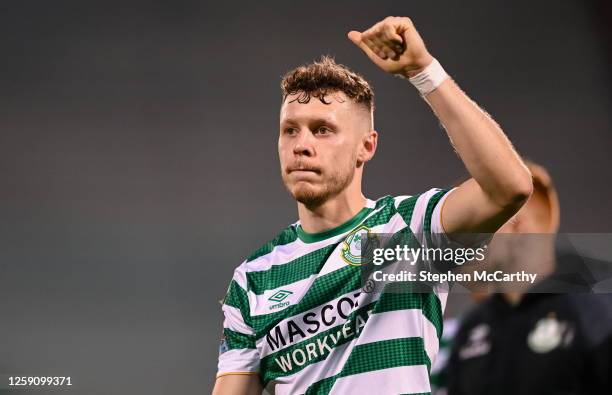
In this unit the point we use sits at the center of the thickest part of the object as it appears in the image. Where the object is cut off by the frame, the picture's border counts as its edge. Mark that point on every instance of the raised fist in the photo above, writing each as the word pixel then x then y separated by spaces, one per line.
pixel 394 45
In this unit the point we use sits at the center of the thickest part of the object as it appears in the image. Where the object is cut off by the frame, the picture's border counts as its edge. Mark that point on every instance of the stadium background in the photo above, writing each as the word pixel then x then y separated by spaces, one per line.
pixel 139 165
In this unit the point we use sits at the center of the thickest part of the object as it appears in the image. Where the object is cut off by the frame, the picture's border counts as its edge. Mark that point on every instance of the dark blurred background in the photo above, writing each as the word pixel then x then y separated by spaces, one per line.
pixel 139 166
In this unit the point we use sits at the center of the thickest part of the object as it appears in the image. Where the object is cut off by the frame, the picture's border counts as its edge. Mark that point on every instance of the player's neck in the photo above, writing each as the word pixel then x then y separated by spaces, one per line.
pixel 332 213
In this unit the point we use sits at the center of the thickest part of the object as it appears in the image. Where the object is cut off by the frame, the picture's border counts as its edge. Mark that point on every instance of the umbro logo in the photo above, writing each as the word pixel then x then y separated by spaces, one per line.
pixel 278 297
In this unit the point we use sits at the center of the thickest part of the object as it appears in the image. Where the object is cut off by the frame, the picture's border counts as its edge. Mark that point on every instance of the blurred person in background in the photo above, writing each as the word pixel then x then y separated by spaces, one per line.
pixel 554 337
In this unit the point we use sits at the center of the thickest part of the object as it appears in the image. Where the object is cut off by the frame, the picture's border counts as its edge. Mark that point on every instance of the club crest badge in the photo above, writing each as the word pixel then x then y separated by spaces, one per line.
pixel 548 334
pixel 351 246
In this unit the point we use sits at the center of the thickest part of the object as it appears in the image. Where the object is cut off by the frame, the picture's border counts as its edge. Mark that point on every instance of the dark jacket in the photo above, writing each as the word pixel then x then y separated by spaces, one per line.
pixel 550 343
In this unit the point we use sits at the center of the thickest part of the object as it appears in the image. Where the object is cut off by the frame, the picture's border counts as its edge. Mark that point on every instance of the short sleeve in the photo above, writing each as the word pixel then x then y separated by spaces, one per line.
pixel 237 353
pixel 426 222
pixel 423 215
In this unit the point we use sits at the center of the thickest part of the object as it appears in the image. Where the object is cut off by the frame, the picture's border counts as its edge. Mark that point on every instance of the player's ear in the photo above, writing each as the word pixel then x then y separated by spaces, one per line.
pixel 367 146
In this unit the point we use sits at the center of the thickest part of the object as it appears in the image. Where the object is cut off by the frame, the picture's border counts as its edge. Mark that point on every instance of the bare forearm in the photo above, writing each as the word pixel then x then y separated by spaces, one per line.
pixel 237 384
pixel 482 145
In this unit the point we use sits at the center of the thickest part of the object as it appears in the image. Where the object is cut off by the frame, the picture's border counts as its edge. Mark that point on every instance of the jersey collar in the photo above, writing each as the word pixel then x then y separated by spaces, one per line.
pixel 326 234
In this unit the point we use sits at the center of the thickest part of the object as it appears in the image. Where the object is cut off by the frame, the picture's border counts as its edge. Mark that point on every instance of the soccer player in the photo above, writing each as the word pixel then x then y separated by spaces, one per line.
pixel 296 319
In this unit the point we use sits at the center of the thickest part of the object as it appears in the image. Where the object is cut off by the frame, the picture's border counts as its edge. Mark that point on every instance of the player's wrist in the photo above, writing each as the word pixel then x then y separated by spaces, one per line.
pixel 429 78
pixel 418 67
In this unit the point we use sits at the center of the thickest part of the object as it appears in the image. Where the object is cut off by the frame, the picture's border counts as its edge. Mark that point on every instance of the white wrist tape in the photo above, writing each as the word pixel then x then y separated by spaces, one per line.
pixel 430 78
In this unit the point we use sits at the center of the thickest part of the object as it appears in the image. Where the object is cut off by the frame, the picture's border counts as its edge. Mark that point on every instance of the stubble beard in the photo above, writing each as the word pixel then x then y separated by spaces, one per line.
pixel 332 185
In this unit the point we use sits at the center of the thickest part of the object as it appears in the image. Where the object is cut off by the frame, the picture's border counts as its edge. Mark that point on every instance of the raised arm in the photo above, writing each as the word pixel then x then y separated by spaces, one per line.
pixel 501 183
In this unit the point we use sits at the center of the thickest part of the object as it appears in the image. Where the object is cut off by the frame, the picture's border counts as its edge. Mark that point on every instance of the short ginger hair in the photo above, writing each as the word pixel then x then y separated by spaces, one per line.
pixel 325 76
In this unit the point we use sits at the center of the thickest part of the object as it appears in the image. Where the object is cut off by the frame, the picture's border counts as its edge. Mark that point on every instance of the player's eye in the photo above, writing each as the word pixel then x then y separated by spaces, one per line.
pixel 290 131
pixel 323 130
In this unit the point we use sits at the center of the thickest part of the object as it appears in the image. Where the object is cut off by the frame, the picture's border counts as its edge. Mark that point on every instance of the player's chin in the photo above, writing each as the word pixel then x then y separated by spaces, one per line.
pixel 307 193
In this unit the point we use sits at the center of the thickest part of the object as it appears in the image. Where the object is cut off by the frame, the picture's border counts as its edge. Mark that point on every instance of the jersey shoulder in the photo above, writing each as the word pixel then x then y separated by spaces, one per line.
pixel 286 236
pixel 261 258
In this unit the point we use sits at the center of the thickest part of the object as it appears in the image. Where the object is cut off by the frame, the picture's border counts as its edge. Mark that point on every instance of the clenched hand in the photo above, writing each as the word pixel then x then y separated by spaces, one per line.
pixel 394 45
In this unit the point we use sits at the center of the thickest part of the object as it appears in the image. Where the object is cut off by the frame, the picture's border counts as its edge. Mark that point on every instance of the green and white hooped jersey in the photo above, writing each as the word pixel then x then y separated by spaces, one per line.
pixel 295 313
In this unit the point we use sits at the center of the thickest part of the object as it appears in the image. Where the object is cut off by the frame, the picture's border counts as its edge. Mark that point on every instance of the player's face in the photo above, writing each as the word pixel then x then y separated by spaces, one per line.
pixel 318 145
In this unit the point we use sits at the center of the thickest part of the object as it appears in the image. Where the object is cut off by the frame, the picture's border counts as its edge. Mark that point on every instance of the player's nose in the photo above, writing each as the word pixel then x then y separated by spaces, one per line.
pixel 304 144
